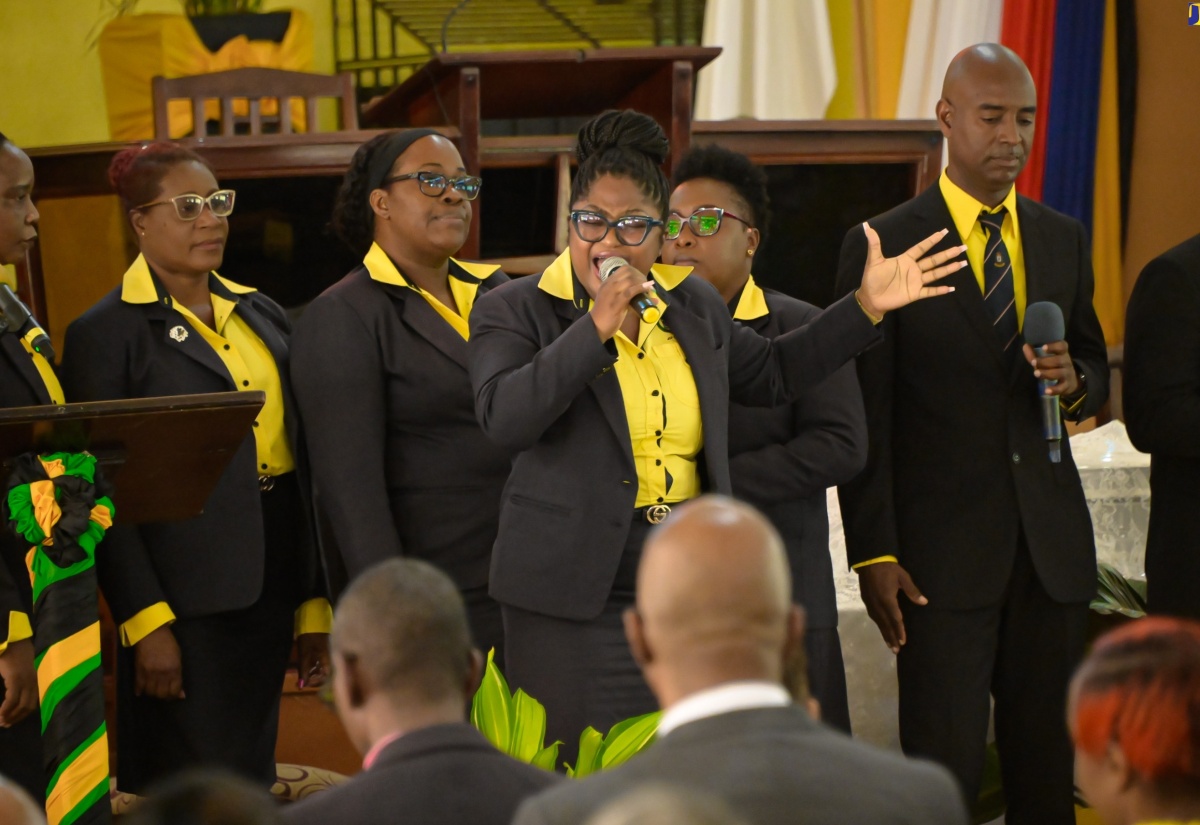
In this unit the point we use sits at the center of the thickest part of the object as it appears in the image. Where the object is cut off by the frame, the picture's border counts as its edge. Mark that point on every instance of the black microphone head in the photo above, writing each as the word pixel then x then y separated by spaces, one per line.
pixel 1044 323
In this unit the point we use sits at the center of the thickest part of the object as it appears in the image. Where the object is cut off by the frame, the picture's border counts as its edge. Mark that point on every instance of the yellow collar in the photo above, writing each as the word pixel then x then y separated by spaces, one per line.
pixel 558 279
pixel 964 209
pixel 381 269
pixel 752 303
pixel 139 286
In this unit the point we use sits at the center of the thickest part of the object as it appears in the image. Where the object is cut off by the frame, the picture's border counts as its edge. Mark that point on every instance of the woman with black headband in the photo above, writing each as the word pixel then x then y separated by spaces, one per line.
pixel 380 367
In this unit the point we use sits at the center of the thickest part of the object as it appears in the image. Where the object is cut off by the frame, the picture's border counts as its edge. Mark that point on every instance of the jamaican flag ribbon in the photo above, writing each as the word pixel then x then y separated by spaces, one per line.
pixel 56 502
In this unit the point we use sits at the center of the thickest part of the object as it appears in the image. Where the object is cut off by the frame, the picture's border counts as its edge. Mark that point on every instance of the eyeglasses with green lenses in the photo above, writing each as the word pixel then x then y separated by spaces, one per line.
pixel 632 230
pixel 703 222
pixel 188 207
pixel 435 184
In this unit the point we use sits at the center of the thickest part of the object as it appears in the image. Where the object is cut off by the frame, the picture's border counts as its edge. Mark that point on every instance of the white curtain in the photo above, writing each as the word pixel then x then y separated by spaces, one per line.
pixel 777 62
pixel 938 30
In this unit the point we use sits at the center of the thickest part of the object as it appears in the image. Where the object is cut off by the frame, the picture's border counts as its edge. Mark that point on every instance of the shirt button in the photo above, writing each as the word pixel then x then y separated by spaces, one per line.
pixel 245 383
pixel 264 466
pixel 658 432
pixel 255 423
pixel 227 346
pixel 655 393
pixel 658 462
pixel 660 499
pixel 641 355
pixel 1016 458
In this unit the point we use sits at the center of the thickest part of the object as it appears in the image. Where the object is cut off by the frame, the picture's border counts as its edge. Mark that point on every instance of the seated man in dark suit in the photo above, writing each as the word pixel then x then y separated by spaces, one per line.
pixel 404 669
pixel 712 631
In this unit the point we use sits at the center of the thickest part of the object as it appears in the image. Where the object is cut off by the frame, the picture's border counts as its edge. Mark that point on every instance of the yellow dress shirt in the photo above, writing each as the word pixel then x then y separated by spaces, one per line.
pixel 252 367
pixel 662 408
pixel 382 269
pixel 752 303
pixel 19 629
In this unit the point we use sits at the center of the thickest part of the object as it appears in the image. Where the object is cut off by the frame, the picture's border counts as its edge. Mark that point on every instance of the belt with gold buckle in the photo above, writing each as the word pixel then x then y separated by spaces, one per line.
pixel 266 483
pixel 655 513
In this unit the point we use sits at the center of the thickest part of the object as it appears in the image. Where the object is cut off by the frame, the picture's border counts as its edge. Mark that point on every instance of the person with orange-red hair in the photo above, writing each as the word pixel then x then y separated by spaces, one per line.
pixel 1135 720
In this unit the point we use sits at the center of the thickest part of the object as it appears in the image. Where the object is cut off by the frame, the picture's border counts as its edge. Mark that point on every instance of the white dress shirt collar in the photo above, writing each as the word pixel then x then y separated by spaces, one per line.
pixel 726 698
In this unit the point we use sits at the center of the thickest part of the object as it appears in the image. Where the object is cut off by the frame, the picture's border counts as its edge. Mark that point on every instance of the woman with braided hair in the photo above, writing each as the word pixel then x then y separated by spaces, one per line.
pixel 379 361
pixel 615 418
pixel 207 607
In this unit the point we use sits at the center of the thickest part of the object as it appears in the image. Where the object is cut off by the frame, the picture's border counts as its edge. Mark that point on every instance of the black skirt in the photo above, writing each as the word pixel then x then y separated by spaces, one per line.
pixel 233 669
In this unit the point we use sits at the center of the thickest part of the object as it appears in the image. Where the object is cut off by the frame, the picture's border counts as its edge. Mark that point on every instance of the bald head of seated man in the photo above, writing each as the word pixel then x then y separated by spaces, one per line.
pixel 17 807
pixel 404 672
pixel 715 635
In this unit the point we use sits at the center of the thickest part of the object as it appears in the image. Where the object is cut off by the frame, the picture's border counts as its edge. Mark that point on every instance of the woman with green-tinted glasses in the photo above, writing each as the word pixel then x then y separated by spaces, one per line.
pixel 380 366
pixel 207 607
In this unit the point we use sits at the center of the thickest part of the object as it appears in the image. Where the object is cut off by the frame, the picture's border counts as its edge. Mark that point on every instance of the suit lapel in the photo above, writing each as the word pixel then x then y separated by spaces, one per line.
pixel 421 318
pixel 967 296
pixel 696 339
pixel 1039 273
pixel 178 334
pixel 23 364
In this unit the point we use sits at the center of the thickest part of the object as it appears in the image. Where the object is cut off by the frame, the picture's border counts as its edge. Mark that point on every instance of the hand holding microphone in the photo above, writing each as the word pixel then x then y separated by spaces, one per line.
pixel 1047 352
pixel 621 288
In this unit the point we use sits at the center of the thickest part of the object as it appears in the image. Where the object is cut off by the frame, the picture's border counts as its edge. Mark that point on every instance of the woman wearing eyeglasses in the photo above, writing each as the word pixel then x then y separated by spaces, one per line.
pixel 616 419
pixel 380 367
pixel 206 607
pixel 781 459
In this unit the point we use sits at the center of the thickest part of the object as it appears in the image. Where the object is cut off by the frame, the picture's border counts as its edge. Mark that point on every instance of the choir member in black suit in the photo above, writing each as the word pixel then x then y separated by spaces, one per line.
pixel 616 418
pixel 379 361
pixel 26 379
pixel 206 607
pixel 1162 411
pixel 781 459
pixel 960 506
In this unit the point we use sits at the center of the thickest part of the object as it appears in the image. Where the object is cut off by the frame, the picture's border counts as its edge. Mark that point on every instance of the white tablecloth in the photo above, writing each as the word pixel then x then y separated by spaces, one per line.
pixel 1116 482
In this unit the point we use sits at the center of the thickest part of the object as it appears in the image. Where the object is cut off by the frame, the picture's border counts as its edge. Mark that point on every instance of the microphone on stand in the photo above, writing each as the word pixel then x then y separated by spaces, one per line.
pixel 1043 325
pixel 641 303
pixel 16 318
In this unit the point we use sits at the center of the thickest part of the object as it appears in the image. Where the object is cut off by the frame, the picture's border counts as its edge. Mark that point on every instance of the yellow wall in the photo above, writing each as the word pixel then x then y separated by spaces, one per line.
pixel 52 90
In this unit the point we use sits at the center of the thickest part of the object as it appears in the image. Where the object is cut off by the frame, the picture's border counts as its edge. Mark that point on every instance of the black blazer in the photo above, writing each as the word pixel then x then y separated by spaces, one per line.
pixel 545 388
pixel 214 562
pixel 1162 411
pixel 770 765
pixel 433 776
pixel 957 466
pixel 782 459
pixel 399 462
pixel 21 385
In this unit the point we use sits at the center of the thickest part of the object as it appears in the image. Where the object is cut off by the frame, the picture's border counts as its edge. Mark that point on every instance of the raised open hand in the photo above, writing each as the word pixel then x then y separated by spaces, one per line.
pixel 890 283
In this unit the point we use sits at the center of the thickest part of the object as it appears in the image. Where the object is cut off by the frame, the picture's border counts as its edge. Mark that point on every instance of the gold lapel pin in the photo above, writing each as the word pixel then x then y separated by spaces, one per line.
pixel 178 334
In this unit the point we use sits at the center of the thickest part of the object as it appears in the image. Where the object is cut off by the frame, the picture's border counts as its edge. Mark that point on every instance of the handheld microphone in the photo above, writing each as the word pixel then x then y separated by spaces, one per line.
pixel 1043 325
pixel 17 319
pixel 641 303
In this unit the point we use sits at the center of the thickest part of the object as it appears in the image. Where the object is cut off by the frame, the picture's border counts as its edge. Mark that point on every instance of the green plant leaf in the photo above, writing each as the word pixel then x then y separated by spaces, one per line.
pixel 1116 594
pixel 528 727
pixel 491 708
pixel 628 738
pixel 547 757
pixel 590 744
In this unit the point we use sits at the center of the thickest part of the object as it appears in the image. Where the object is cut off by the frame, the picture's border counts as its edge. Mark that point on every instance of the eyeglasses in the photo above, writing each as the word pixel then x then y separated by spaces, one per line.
pixel 188 207
pixel 632 230
pixel 434 185
pixel 704 222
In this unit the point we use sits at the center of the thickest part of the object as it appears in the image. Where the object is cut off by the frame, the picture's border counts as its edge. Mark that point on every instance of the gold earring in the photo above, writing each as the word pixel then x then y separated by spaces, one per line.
pixel 749 253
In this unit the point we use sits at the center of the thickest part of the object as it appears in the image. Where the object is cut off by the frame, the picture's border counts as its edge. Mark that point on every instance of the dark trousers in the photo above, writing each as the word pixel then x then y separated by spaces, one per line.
pixel 827 676
pixel 233 667
pixel 487 625
pixel 1021 651
pixel 582 672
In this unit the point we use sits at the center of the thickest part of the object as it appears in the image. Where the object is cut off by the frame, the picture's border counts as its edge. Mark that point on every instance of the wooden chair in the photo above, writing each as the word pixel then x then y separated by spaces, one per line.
pixel 253 85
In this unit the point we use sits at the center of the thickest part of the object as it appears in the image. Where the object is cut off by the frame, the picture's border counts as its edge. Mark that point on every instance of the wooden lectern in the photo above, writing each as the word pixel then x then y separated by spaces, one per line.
pixel 163 456
pixel 463 89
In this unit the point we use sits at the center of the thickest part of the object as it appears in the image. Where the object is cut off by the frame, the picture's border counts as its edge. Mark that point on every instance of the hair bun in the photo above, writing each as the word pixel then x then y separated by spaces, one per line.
pixel 623 129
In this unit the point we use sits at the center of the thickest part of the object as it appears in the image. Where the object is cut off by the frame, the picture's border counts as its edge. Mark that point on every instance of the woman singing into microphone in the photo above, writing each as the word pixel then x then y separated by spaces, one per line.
pixel 615 419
